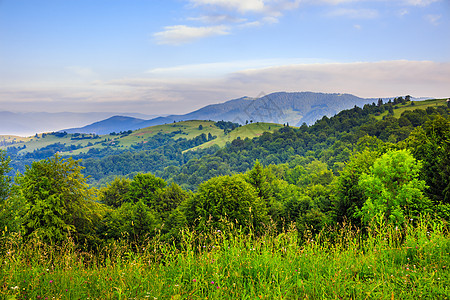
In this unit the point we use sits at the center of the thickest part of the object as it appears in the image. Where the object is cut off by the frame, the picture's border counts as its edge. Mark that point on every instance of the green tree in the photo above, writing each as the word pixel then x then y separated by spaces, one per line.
pixel 9 205
pixel 431 144
pixel 5 180
pixel 59 202
pixel 145 187
pixel 349 196
pixel 264 183
pixel 226 196
pixel 393 189
pixel 115 193
pixel 168 199
pixel 132 221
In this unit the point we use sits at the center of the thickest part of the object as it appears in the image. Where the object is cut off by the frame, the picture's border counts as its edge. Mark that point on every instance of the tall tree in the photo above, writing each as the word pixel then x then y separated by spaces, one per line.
pixel 393 189
pixel 431 144
pixel 59 202
pixel 226 196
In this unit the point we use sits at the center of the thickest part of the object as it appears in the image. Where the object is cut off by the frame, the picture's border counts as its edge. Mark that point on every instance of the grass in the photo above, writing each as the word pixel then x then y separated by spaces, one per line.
pixel 417 105
pixel 189 130
pixel 385 263
pixel 248 131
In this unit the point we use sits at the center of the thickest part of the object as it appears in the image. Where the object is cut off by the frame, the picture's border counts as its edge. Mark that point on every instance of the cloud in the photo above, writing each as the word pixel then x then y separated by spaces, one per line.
pixel 433 19
pixel 419 2
pixel 212 12
pixel 165 94
pixel 242 6
pixel 217 19
pixel 355 13
pixel 182 34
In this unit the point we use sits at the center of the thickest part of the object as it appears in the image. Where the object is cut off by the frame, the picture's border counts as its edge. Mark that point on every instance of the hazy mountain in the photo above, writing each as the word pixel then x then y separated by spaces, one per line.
pixel 26 124
pixel 281 107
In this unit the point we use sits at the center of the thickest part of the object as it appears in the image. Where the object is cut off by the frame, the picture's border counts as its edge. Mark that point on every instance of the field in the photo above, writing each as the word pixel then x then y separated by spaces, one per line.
pixel 410 106
pixel 247 131
pixel 385 263
pixel 186 129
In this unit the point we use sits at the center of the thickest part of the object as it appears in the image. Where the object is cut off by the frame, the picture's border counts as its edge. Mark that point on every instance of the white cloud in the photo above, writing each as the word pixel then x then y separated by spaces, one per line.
pixel 419 2
pixel 217 19
pixel 403 12
pixel 242 6
pixel 355 13
pixel 182 34
pixel 165 94
pixel 433 19
pixel 333 2
pixel 260 12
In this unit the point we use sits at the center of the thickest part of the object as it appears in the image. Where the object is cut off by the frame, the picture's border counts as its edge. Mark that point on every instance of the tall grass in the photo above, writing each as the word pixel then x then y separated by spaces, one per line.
pixel 383 263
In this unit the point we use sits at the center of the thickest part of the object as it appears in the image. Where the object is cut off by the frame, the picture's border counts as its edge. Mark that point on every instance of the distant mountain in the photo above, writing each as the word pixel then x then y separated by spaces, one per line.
pixel 281 107
pixel 27 124
pixel 119 123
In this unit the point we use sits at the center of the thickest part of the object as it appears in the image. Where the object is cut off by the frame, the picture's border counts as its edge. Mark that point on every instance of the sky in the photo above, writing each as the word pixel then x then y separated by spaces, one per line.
pixel 172 57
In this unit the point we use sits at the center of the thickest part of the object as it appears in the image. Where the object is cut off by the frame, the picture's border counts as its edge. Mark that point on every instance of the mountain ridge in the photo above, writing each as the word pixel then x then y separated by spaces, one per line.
pixel 294 108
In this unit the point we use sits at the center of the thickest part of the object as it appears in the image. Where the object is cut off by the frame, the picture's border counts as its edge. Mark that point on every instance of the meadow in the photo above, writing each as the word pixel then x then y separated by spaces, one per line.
pixel 409 106
pixel 383 262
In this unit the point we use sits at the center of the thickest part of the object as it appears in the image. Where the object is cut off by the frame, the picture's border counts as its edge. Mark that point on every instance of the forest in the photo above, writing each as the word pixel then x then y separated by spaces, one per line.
pixel 354 206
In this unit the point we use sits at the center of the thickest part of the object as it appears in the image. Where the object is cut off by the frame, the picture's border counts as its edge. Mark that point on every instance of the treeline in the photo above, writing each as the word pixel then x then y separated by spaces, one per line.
pixel 321 176
pixel 330 140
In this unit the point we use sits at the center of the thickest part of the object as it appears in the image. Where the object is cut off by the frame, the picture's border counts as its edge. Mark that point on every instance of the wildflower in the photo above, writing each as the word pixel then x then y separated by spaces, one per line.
pixel 212 282
pixel 51 281
pixel 217 286
pixel 14 287
pixel 194 280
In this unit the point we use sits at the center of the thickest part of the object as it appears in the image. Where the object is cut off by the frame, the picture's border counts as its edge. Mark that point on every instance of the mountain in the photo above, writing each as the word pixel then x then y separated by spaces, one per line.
pixel 282 107
pixel 27 124
pixel 119 123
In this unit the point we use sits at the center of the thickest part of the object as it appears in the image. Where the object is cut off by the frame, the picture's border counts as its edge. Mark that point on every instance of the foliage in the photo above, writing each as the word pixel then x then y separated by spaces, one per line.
pixel 431 144
pixel 228 197
pixel 5 180
pixel 9 206
pixel 58 201
pixel 349 196
pixel 393 189
pixel 115 193
pixel 131 221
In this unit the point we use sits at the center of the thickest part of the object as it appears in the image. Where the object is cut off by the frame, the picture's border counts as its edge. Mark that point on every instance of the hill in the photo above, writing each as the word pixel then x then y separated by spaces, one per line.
pixel 30 123
pixel 76 143
pixel 280 108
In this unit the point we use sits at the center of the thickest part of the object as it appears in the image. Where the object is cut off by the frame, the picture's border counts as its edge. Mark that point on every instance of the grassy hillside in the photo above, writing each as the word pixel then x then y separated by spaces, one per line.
pixel 82 143
pixel 400 108
pixel 6 140
pixel 247 131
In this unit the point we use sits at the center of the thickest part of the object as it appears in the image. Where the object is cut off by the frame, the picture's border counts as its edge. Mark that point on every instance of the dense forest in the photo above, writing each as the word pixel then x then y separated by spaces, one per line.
pixel 341 168
pixel 352 168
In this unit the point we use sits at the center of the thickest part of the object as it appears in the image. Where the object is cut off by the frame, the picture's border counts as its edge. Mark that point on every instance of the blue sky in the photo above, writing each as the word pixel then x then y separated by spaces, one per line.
pixel 159 57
